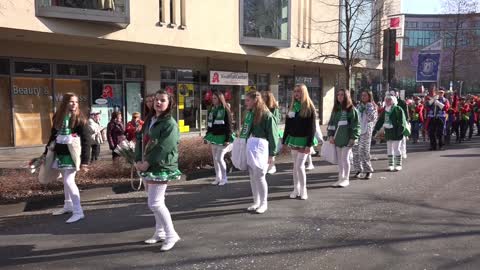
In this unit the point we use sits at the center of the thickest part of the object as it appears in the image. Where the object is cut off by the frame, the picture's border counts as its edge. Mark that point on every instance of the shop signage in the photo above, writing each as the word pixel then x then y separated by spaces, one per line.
pixel 31 91
pixel 308 81
pixel 228 78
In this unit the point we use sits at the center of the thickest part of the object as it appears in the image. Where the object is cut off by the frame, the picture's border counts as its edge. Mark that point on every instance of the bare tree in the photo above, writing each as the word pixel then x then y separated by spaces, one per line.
pixel 358 34
pixel 461 42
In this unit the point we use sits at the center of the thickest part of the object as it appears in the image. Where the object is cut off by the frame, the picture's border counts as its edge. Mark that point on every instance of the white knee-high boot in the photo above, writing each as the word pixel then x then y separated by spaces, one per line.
pixel 156 199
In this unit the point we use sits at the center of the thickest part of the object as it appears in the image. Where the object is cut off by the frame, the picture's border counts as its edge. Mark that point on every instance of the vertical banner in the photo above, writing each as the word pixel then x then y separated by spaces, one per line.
pixel 428 66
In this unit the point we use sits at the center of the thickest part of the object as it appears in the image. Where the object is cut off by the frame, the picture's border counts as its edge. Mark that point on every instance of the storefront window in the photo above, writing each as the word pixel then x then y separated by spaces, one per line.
pixel 6 136
pixel 79 87
pixel 265 22
pixel 285 88
pixel 113 72
pixel 107 95
pixel 314 88
pixel 4 67
pixel 187 100
pixel 263 82
pixel 32 68
pixel 134 92
pixel 72 70
pixel 32 102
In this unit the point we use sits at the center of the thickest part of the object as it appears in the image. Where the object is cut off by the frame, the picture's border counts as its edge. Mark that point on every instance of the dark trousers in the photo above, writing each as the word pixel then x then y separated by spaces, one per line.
pixel 95 152
pixel 456 129
pixel 415 130
pixel 448 131
pixel 435 132
pixel 463 129
pixel 470 124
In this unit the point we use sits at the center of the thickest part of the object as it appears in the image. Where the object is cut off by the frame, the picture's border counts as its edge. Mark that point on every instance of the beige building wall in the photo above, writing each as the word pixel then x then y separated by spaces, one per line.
pixel 212 25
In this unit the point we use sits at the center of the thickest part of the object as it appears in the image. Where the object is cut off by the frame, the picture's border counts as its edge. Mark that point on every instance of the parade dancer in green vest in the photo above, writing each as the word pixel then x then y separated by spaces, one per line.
pixel 343 131
pixel 261 131
pixel 395 125
pixel 272 105
pixel 69 125
pixel 219 135
pixel 157 162
pixel 299 135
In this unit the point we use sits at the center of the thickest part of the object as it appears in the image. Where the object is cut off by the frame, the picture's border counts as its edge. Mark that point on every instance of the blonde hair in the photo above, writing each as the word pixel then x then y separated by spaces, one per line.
pixel 306 102
pixel 259 109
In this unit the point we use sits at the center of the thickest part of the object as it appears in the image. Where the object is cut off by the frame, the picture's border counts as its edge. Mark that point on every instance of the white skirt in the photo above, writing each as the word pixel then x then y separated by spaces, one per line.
pixel 257 153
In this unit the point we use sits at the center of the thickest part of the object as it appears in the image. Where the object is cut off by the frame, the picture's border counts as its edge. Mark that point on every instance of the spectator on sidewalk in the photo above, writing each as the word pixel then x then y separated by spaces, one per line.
pixel 134 126
pixel 96 138
pixel 115 133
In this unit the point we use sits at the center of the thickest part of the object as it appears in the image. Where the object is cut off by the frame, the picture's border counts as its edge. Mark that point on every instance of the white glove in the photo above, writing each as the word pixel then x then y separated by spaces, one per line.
pixel 439 104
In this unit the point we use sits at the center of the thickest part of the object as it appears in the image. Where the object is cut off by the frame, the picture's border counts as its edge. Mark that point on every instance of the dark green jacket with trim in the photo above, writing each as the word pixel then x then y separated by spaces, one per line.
pixel 397 118
pixel 267 129
pixel 346 132
pixel 163 156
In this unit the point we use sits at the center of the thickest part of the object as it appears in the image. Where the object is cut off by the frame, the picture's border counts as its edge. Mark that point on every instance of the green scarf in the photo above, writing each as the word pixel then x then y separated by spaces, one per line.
pixel 247 125
pixel 216 116
pixel 297 106
pixel 65 130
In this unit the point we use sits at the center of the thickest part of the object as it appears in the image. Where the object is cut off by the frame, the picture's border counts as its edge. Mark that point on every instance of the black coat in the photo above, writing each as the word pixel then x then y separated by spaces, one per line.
pixel 83 132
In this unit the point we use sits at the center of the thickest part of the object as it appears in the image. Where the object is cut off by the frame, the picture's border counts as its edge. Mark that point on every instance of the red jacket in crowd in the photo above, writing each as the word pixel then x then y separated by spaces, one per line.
pixel 132 129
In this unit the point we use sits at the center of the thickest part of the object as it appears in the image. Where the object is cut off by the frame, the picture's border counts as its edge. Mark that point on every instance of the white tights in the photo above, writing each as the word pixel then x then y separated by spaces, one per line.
pixel 343 157
pixel 218 154
pixel 258 183
pixel 156 203
pixel 299 175
pixel 70 189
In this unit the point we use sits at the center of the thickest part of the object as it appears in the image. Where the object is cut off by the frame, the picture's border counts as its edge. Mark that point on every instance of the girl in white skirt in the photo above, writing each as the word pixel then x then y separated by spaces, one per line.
pixel 261 131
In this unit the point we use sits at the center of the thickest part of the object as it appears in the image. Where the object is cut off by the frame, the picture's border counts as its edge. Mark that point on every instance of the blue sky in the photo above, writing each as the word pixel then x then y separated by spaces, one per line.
pixel 422 6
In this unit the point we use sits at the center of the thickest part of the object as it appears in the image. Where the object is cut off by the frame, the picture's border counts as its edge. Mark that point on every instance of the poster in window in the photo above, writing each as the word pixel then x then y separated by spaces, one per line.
pixel 109 94
pixel 80 88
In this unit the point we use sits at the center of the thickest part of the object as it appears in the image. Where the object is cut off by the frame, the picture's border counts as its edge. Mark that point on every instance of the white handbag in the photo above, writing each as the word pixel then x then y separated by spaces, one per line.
pixel 329 152
pixel 239 154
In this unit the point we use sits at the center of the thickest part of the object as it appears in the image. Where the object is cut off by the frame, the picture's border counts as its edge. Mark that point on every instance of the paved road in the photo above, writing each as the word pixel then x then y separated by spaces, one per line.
pixel 425 217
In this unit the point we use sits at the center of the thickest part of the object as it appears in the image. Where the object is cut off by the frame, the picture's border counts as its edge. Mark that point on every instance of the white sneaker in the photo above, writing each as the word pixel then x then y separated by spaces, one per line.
pixel 398 168
pixel 294 195
pixel 75 218
pixel 262 209
pixel 253 207
pixel 170 243
pixel 391 168
pixel 216 182
pixel 310 167
pixel 222 183
pixel 272 170
pixel 61 211
pixel 304 196
pixel 336 183
pixel 404 156
pixel 155 239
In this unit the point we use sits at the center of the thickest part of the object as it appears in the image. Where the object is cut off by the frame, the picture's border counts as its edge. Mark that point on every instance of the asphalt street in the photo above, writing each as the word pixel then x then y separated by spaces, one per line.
pixel 424 217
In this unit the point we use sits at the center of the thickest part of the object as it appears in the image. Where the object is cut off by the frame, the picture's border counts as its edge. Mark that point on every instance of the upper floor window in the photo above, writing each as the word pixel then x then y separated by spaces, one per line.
pixel 411 24
pixel 265 22
pixel 173 13
pixel 108 11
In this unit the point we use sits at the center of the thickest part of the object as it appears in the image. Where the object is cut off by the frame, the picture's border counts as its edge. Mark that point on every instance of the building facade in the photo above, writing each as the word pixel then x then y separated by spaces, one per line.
pixel 114 52
pixel 458 38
